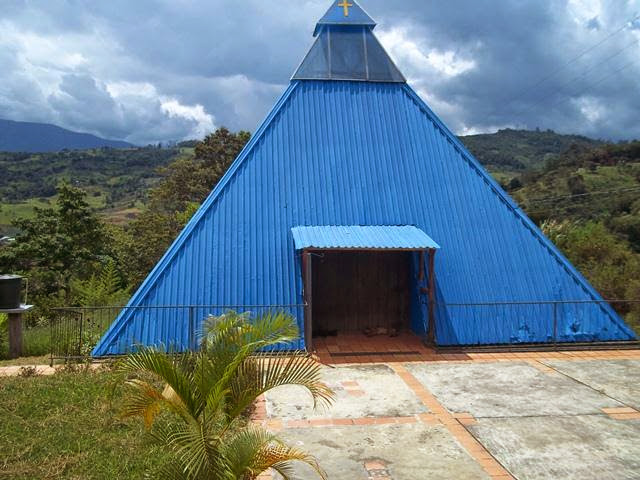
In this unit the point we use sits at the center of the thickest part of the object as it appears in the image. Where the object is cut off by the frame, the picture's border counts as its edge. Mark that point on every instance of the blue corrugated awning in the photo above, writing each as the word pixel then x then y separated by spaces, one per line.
pixel 403 237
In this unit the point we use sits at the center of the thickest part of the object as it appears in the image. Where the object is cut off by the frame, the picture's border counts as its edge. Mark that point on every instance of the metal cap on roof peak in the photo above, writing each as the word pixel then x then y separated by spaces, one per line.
pixel 345 12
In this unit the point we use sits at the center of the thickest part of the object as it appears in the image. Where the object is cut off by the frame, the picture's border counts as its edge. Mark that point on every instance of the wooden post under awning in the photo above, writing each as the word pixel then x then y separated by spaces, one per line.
pixel 431 338
pixel 307 295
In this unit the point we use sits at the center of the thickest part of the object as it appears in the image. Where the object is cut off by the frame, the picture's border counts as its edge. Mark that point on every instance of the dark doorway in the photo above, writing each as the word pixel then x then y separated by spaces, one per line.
pixel 357 290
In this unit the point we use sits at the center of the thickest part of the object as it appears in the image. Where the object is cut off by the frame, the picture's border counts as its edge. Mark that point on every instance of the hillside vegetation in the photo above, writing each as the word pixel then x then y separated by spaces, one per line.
pixel 116 181
pixel 587 184
pixel 521 150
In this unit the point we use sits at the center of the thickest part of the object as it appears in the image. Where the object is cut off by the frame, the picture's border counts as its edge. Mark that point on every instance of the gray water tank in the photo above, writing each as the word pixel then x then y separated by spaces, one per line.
pixel 10 286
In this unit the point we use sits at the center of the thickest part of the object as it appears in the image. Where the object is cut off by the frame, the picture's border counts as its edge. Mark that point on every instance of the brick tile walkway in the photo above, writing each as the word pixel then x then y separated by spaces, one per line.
pixel 353 348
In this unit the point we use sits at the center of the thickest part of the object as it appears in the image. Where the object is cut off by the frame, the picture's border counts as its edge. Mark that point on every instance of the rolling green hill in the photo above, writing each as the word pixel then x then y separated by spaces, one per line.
pixel 117 179
pixel 521 150
pixel 599 184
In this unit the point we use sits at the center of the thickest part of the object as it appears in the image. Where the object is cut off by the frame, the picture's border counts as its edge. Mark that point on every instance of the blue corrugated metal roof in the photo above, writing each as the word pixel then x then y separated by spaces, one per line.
pixel 363 153
pixel 405 237
pixel 359 153
pixel 345 13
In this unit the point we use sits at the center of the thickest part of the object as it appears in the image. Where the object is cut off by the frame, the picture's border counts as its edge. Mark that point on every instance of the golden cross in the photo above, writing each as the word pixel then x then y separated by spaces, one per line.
pixel 346 5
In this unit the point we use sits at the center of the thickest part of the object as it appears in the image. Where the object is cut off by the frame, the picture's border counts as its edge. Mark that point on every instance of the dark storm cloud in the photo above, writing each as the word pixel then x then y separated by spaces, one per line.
pixel 169 69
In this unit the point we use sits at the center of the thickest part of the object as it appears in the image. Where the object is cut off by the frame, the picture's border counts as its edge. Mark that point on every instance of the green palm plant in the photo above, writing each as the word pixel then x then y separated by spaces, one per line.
pixel 208 393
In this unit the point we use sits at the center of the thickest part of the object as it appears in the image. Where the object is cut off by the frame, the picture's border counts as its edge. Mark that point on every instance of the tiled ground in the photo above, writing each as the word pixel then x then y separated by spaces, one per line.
pixel 526 416
pixel 410 451
pixel 580 447
pixel 619 379
pixel 508 389
pixel 357 396
pixel 353 348
pixel 418 415
pixel 358 348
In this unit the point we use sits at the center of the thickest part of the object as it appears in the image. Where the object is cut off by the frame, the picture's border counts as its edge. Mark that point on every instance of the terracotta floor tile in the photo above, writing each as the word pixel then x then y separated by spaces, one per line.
pixel 405 420
pixel 625 416
pixel 342 421
pixel 350 383
pixel 467 421
pixel 375 465
pixel 298 423
pixel 364 421
pixel 320 422
pixel 385 420
pixel 619 410
pixel 496 470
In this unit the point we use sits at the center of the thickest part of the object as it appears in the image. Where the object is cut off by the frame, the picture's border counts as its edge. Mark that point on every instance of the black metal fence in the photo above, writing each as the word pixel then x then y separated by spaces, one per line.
pixel 76 331
pixel 530 323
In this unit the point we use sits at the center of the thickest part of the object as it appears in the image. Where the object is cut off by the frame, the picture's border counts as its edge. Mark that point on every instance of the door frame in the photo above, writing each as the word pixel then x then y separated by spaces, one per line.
pixel 307 286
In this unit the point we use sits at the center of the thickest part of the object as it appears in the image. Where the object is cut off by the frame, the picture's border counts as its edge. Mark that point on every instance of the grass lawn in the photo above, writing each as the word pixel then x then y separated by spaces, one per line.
pixel 35 342
pixel 38 360
pixel 67 426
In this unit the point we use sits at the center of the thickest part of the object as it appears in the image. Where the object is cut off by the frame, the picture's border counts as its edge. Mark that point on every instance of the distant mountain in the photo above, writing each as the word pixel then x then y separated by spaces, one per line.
pixel 519 150
pixel 43 137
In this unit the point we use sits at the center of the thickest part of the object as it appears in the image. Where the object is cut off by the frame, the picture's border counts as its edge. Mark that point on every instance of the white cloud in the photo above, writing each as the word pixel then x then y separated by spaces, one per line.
pixel 203 121
pixel 111 68
pixel 584 10
pixel 409 54
pixel 592 109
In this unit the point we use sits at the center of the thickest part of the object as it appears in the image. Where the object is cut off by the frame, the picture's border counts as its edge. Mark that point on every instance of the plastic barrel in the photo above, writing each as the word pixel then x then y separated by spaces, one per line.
pixel 10 286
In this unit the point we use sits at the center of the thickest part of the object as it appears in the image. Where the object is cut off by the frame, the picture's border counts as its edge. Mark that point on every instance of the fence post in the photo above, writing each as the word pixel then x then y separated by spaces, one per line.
pixel 555 325
pixel 191 332
pixel 52 320
pixel 80 341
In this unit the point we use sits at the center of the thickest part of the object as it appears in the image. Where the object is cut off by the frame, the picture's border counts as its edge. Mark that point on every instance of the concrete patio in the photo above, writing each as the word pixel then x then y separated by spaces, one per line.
pixel 553 415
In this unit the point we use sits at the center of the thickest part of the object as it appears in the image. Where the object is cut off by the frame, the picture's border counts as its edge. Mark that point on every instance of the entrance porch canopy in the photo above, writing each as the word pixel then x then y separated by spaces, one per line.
pixel 338 237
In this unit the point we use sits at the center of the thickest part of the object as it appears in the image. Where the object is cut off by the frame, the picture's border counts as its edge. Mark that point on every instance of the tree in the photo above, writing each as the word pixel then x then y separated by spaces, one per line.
pixel 58 244
pixel 208 391
pixel 191 179
pixel 101 289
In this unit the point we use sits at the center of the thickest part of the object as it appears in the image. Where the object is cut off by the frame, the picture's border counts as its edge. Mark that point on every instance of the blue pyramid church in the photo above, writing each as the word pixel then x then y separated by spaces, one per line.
pixel 352 207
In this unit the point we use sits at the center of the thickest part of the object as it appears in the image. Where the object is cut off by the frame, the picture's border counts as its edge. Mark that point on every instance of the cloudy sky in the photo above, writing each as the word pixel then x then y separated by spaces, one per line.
pixel 157 70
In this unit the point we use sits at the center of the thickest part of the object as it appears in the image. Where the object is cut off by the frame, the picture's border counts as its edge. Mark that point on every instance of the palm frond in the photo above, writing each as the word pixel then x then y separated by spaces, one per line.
pixel 264 372
pixel 195 449
pixel 144 400
pixel 209 389
pixel 226 333
pixel 172 370
pixel 273 328
pixel 253 450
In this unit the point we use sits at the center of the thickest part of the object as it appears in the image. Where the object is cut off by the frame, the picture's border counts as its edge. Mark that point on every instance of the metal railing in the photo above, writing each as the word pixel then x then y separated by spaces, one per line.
pixel 539 322
pixel 75 331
